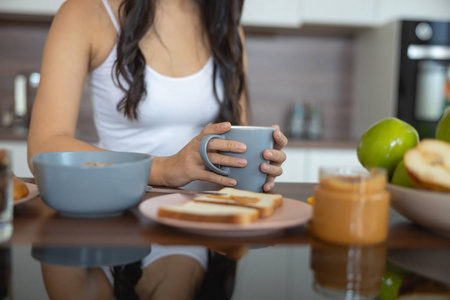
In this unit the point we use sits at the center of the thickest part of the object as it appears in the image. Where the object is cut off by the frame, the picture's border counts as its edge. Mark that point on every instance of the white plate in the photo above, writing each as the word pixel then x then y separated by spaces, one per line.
pixel 291 213
pixel 33 192
pixel 427 208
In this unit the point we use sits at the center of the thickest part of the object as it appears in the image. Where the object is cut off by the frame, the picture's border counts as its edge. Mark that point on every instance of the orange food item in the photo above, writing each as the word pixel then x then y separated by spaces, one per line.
pixel 351 209
pixel 20 190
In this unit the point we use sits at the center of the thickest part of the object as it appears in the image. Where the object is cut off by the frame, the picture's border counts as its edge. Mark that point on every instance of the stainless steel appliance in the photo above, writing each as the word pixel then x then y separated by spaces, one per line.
pixel 25 88
pixel 402 69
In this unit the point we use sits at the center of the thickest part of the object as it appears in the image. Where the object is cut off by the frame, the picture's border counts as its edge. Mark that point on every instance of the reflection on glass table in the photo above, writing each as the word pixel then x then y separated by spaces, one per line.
pixel 154 272
pixel 352 272
pixel 234 271
pixel 417 274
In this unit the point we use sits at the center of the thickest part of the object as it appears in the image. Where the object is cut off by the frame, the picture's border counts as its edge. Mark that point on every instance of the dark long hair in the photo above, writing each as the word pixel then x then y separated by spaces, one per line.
pixel 221 20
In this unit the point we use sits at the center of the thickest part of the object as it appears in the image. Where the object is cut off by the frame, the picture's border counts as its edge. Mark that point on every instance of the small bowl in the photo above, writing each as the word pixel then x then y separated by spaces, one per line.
pixel 73 188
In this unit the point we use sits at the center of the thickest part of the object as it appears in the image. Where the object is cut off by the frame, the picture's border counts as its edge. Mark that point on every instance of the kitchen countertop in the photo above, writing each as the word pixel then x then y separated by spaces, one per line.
pixel 286 265
pixel 326 144
pixel 21 134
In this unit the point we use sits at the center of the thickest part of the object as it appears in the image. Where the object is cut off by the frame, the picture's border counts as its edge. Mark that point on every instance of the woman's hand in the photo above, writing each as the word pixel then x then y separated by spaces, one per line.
pixel 276 158
pixel 187 165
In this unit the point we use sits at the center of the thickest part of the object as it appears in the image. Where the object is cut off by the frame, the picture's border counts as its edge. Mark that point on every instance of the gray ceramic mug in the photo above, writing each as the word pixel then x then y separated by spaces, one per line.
pixel 257 139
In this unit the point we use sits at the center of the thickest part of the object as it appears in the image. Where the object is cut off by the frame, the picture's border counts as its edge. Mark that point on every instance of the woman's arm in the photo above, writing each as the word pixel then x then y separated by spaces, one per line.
pixel 64 68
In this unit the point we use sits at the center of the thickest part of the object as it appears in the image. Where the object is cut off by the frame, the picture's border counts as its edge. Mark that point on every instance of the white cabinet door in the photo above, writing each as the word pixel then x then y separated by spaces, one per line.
pixel 34 7
pixel 302 165
pixel 268 13
pixel 388 10
pixel 19 162
pixel 344 12
pixel 294 166
pixel 328 158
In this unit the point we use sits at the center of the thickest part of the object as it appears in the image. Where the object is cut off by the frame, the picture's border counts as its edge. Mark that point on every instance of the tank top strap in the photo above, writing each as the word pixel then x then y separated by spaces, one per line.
pixel 111 15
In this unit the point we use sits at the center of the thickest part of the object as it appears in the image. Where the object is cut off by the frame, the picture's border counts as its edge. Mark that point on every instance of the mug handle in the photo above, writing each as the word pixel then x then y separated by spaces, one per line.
pixel 203 149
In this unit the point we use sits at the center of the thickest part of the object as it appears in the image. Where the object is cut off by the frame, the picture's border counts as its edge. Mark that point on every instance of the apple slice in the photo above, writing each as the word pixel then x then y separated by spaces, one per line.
pixel 428 165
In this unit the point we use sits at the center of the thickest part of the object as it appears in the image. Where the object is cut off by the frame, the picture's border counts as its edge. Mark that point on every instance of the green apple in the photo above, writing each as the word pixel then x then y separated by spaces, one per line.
pixel 400 176
pixel 384 144
pixel 391 282
pixel 443 127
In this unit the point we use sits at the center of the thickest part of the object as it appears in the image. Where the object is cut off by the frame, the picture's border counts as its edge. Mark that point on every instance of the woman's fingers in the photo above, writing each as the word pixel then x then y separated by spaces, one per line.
pixel 276 157
pixel 226 145
pixel 213 177
pixel 280 139
pixel 225 160
pixel 214 129
pixel 268 186
pixel 271 170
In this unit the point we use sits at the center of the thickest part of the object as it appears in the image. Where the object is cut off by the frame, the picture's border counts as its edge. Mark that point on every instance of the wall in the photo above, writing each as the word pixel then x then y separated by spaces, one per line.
pixel 21 49
pixel 288 68
pixel 282 69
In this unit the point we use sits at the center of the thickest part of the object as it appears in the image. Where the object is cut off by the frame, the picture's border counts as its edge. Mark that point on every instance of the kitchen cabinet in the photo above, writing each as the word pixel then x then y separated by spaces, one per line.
pixel 353 13
pixel 292 13
pixel 30 7
pixel 344 12
pixel 267 13
pixel 302 164
pixel 388 10
pixel 19 162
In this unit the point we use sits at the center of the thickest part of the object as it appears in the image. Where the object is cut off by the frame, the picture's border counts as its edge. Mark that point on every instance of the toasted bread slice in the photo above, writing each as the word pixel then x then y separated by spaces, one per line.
pixel 209 212
pixel 20 189
pixel 428 165
pixel 265 203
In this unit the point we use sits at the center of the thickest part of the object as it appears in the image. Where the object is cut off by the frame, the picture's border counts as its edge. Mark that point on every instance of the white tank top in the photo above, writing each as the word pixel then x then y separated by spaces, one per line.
pixel 174 111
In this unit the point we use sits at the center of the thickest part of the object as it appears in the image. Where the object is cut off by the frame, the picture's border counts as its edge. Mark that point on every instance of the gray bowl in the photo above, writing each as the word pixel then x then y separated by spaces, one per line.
pixel 69 186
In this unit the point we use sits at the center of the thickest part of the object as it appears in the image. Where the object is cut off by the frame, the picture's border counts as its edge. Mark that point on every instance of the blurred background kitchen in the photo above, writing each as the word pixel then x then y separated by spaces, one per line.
pixel 324 70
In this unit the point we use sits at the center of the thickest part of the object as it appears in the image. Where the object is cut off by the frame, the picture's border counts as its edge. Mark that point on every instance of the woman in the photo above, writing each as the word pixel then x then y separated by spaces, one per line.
pixel 159 72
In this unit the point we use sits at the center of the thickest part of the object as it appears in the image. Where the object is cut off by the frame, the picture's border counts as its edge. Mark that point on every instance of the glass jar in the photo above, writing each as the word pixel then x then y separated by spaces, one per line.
pixel 351 206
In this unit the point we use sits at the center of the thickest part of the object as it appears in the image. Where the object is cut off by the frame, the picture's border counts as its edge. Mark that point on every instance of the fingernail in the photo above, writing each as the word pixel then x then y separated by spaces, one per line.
pixel 231 182
pixel 265 167
pixel 269 154
pixel 224 125
pixel 278 134
pixel 240 146
pixel 241 161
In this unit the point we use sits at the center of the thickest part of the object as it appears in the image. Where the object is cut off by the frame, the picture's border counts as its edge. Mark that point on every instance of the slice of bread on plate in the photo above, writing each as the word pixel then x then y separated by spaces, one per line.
pixel 20 189
pixel 209 212
pixel 265 203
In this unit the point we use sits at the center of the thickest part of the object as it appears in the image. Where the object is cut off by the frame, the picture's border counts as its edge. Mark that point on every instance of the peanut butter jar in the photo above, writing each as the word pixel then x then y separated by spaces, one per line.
pixel 351 206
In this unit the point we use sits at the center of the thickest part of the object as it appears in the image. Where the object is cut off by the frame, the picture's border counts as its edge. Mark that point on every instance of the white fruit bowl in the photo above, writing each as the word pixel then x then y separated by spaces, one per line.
pixel 427 208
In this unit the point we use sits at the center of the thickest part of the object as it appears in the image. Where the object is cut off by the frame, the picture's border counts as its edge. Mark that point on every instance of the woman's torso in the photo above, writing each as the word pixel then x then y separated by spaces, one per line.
pixel 180 98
